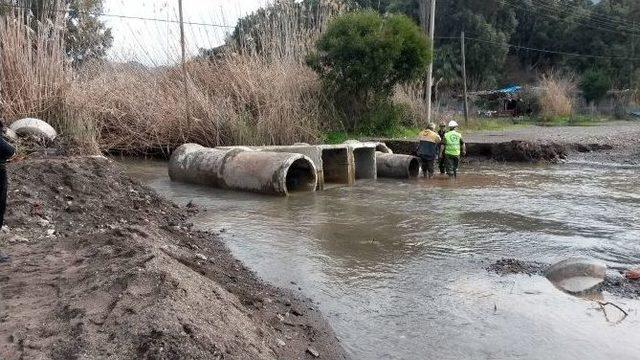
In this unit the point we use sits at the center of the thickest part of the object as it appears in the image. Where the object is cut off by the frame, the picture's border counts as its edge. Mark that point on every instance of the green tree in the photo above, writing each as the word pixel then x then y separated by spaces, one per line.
pixel 86 36
pixel 362 56
pixel 595 84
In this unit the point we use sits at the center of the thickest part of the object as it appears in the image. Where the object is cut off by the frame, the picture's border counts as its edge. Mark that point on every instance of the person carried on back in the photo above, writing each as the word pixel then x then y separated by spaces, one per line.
pixel 428 149
pixel 453 147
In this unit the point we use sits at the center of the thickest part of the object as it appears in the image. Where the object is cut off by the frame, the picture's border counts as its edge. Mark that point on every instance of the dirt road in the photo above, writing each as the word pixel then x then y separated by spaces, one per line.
pixel 100 267
pixel 615 133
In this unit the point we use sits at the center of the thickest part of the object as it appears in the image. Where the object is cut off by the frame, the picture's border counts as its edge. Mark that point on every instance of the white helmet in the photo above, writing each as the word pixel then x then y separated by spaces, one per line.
pixel 453 124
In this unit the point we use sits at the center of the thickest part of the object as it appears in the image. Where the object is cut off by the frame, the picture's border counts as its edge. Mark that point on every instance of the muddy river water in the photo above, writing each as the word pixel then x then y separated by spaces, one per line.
pixel 398 267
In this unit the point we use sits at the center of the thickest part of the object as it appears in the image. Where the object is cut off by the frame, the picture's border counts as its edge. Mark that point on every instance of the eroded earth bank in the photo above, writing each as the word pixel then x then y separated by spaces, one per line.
pixel 97 266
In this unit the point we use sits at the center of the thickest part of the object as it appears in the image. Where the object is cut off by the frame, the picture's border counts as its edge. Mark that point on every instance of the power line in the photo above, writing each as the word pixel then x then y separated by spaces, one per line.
pixel 541 50
pixel 596 17
pixel 604 26
pixel 119 16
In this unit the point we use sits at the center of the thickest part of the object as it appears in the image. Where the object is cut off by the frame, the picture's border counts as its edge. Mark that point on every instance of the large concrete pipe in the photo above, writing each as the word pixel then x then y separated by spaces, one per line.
pixel 312 152
pixel 34 127
pixel 240 169
pixel 397 166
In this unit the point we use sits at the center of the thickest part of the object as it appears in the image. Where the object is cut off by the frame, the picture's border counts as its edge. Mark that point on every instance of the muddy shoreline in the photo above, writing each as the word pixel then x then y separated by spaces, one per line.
pixel 98 266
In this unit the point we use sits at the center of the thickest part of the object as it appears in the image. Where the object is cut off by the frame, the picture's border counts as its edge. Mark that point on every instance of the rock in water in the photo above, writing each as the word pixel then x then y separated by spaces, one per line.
pixel 34 127
pixel 633 274
pixel 576 275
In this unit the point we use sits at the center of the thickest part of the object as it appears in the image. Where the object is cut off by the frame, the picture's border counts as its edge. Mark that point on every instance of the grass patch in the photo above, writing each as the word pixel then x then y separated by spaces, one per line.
pixel 577 120
pixel 399 132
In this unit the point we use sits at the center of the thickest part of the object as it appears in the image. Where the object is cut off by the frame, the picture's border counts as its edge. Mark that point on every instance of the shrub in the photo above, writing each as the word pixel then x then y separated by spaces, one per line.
pixel 556 96
pixel 363 56
pixel 383 118
pixel 594 85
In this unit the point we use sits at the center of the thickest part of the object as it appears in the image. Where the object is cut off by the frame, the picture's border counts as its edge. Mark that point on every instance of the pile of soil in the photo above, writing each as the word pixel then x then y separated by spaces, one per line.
pixel 99 266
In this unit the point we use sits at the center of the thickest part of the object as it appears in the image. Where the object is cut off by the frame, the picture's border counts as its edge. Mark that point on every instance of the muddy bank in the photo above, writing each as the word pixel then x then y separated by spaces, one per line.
pixel 510 151
pixel 98 266
pixel 615 283
pixel 616 142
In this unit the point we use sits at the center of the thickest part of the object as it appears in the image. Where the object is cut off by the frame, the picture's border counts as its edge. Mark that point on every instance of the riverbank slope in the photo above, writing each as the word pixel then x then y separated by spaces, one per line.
pixel 98 266
pixel 615 141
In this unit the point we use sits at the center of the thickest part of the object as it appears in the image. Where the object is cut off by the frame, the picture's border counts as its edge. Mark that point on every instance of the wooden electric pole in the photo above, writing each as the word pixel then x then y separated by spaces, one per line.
pixel 464 80
pixel 432 24
pixel 185 74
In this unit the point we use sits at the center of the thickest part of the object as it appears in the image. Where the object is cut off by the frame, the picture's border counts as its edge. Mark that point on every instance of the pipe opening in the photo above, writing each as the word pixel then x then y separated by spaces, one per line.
pixel 414 168
pixel 336 166
pixel 301 176
pixel 365 159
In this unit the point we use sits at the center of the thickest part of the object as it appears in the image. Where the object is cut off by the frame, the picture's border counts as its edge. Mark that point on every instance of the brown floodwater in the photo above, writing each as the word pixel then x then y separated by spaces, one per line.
pixel 398 267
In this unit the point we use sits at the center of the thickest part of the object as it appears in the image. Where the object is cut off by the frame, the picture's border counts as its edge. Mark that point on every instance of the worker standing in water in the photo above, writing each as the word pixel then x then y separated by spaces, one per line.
pixel 442 130
pixel 452 148
pixel 428 150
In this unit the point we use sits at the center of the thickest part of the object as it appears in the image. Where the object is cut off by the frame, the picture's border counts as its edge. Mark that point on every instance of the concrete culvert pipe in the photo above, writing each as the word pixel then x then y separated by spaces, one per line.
pixel 34 127
pixel 397 166
pixel 238 169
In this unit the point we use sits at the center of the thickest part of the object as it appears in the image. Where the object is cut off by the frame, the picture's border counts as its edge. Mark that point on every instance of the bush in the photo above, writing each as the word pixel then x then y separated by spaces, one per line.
pixel 384 118
pixel 556 96
pixel 363 56
pixel 594 85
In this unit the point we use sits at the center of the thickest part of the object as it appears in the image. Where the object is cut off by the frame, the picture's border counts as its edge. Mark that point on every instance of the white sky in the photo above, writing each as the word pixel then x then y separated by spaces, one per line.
pixel 158 43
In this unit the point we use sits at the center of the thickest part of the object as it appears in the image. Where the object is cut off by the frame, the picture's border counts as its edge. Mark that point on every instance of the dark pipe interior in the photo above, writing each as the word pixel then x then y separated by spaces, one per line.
pixel 365 160
pixel 335 165
pixel 414 168
pixel 301 176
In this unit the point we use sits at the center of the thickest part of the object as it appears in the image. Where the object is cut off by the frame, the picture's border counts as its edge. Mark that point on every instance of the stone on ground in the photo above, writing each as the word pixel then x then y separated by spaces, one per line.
pixel 633 274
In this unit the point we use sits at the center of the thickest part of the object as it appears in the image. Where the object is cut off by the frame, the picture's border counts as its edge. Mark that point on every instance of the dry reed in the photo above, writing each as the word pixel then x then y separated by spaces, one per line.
pixel 556 96
pixel 243 96
pixel 33 69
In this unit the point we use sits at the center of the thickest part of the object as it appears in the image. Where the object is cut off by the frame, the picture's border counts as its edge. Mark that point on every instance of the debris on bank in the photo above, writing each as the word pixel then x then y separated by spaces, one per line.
pixel 614 282
pixel 514 266
pixel 97 266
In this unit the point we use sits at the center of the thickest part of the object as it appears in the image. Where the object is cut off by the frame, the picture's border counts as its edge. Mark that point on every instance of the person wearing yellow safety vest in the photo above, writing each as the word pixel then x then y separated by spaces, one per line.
pixel 428 150
pixel 453 147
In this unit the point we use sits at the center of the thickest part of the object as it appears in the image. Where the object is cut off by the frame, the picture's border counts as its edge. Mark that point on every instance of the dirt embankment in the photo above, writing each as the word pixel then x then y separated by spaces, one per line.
pixel 617 142
pixel 100 267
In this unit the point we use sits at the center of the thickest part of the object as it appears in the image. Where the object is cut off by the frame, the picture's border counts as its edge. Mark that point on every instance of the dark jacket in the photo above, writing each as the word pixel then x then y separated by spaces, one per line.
pixel 428 150
pixel 6 151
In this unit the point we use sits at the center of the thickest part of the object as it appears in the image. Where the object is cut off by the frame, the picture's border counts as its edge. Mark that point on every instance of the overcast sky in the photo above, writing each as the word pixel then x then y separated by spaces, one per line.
pixel 157 43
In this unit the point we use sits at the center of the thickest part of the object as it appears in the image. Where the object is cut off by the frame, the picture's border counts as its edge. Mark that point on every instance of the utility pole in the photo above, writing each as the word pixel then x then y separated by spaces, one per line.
pixel 464 80
pixel 432 24
pixel 185 74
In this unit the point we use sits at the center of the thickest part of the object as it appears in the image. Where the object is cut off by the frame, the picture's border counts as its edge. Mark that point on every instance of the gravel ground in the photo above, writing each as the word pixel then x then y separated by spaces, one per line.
pixel 614 133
